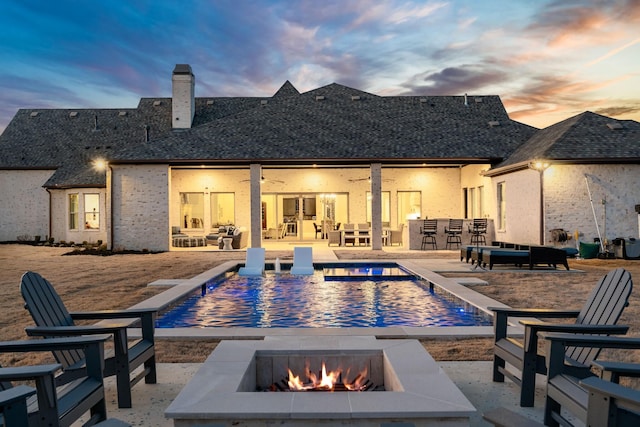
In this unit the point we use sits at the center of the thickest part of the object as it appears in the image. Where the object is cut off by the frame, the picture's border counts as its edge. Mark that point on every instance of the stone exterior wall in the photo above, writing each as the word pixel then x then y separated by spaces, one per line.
pixel 139 207
pixel 24 204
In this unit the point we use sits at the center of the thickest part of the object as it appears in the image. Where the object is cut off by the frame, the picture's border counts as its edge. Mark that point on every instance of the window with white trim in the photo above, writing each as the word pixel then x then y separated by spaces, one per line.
pixel 92 211
pixel 73 211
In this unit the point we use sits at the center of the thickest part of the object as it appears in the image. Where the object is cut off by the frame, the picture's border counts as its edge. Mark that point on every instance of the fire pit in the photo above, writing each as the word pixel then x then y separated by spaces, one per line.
pixel 233 385
pixel 329 371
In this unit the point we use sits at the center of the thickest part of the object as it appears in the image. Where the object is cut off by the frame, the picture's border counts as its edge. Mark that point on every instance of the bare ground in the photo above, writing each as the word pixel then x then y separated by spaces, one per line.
pixel 120 281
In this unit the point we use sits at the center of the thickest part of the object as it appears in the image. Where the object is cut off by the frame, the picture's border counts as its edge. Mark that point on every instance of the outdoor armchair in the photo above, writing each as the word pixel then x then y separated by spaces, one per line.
pixel 599 315
pixel 53 319
pixel 568 381
pixel 60 401
pixel 13 405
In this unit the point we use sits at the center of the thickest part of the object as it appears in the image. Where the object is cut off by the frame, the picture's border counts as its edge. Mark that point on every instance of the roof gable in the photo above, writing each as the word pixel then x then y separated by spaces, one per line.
pixel 585 137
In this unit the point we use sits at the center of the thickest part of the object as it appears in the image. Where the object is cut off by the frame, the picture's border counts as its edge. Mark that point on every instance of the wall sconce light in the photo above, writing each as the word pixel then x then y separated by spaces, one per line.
pixel 539 165
pixel 100 164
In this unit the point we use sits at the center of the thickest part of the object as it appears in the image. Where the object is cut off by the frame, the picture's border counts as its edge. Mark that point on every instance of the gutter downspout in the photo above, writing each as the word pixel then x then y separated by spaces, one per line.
pixel 50 219
pixel 109 216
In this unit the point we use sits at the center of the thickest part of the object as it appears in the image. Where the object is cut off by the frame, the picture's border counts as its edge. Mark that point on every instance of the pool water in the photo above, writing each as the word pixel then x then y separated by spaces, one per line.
pixel 286 301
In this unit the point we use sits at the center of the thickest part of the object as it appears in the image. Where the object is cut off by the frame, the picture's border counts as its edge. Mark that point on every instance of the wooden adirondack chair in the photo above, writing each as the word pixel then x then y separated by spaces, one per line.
pixel 599 315
pixel 574 387
pixel 59 402
pixel 53 319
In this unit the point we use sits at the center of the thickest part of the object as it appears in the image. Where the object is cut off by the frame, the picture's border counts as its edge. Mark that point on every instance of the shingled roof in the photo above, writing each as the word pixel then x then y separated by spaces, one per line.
pixel 335 124
pixel 585 138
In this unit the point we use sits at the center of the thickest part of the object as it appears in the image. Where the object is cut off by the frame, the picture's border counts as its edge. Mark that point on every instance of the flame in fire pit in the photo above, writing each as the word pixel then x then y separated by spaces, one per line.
pixel 327 381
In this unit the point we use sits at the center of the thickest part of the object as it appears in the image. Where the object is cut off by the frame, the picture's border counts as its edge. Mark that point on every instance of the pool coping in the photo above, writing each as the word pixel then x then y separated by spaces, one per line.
pixel 186 286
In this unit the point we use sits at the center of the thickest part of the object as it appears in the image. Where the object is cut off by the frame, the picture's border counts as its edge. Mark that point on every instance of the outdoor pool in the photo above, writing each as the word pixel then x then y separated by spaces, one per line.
pixel 356 297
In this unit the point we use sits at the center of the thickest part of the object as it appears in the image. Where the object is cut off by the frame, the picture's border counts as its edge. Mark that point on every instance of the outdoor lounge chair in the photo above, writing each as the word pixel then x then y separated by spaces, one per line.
pixel 599 315
pixel 531 256
pixel 60 401
pixel 254 265
pixel 53 319
pixel 572 386
pixel 302 260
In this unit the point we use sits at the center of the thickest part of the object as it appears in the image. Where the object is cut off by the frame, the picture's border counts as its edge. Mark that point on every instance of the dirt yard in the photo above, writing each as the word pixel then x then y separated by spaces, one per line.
pixel 119 281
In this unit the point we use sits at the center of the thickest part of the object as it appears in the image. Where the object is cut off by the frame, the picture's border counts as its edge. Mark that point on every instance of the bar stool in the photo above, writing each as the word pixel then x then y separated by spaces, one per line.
pixel 429 230
pixel 478 229
pixel 454 232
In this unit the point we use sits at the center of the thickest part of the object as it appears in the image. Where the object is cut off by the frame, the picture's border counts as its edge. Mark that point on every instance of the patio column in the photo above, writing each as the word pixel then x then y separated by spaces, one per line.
pixel 376 206
pixel 255 174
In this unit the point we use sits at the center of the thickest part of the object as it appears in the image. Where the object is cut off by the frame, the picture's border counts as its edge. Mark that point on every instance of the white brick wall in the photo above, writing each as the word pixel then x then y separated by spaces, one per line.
pixel 60 216
pixel 568 206
pixel 24 204
pixel 140 207
pixel 567 202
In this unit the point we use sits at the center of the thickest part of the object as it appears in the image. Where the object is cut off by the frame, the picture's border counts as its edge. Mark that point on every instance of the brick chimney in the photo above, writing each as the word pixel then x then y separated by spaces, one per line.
pixel 183 94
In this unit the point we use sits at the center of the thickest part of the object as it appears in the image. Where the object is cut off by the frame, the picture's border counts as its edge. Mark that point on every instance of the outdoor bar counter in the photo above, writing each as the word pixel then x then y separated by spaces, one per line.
pixel 415 237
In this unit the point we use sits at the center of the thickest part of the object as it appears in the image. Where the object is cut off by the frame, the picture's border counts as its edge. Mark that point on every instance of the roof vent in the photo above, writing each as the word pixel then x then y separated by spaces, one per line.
pixel 319 98
pixel 614 126
pixel 34 114
pixel 478 100
pixel 423 100
pixel 210 102
pixel 493 123
pixel 355 97
pixel 466 101
pixel 73 114
pixel 157 103
pixel 264 102
pixel 122 113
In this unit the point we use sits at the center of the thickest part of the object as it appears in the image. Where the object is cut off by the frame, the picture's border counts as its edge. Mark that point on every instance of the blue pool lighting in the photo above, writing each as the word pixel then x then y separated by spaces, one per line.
pixel 365 298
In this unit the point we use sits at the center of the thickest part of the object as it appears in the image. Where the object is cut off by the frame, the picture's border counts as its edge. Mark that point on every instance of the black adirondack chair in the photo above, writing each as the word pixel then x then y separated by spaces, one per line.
pixel 13 405
pixel 59 402
pixel 53 319
pixel 574 387
pixel 599 315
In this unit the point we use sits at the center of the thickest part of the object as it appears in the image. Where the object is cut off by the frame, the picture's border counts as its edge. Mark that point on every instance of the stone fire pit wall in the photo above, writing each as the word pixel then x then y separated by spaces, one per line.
pixel 416 390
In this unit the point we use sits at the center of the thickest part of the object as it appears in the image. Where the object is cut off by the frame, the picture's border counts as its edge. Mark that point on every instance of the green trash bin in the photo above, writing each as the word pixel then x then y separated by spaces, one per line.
pixel 589 250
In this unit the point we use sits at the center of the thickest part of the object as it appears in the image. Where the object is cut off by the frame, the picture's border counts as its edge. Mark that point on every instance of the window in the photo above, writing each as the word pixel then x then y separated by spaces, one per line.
pixel 192 210
pixel 502 206
pixel 73 211
pixel 223 209
pixel 92 211
pixel 472 213
pixel 481 201
pixel 386 207
pixel 409 205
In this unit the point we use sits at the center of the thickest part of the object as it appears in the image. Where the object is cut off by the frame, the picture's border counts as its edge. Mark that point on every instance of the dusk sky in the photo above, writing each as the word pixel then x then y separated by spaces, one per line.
pixel 547 60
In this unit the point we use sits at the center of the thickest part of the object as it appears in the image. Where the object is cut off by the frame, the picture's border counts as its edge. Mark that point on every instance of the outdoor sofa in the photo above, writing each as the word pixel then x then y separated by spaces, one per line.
pixel 533 255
